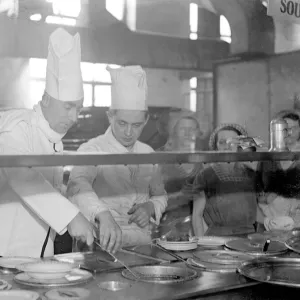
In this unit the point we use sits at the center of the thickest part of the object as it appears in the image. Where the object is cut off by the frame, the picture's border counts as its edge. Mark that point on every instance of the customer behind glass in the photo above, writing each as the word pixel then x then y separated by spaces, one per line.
pixel 225 193
pixel 279 202
pixel 121 197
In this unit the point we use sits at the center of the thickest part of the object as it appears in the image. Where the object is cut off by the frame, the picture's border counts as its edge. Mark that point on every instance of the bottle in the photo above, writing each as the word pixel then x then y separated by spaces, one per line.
pixel 278 133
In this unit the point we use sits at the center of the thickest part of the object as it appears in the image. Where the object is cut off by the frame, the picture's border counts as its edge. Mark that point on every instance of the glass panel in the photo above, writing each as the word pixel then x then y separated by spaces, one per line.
pixel 88 95
pixel 193 100
pixel 101 74
pixel 225 30
pixel 116 8
pixel 193 83
pixel 193 17
pixel 193 36
pixel 87 70
pixel 37 88
pixel 37 67
pixel 102 95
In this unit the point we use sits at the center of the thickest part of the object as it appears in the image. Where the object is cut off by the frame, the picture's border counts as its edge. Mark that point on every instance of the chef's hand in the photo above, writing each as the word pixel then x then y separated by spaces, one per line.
pixel 141 214
pixel 110 234
pixel 81 229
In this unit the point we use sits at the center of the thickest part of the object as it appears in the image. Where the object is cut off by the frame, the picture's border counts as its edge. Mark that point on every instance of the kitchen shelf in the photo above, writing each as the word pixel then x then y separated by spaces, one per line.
pixel 75 158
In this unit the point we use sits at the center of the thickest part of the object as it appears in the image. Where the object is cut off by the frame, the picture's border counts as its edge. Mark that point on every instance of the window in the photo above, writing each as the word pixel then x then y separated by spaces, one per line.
pixel 225 30
pixel 102 95
pixel 96 79
pixel 193 21
pixel 116 8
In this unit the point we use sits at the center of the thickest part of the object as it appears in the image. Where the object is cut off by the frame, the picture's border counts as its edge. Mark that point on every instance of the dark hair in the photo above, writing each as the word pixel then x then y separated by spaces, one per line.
pixel 239 130
pixel 292 116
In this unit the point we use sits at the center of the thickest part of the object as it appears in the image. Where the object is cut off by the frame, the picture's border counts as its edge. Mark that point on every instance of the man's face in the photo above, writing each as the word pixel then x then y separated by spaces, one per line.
pixel 293 132
pixel 63 115
pixel 127 125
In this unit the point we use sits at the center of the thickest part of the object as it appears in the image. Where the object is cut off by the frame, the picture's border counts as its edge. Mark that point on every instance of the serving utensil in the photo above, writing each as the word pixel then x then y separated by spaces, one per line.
pixel 135 274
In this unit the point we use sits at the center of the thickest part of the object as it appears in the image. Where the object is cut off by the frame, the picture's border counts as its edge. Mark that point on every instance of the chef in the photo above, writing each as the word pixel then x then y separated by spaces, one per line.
pixel 129 197
pixel 32 209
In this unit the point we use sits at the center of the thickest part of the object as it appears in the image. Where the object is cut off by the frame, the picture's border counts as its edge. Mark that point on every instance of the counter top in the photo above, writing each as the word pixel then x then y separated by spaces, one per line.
pixel 207 285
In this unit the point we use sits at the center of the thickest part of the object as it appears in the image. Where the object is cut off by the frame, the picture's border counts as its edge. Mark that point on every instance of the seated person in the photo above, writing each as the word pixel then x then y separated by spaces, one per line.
pixel 184 130
pixel 280 197
pixel 225 193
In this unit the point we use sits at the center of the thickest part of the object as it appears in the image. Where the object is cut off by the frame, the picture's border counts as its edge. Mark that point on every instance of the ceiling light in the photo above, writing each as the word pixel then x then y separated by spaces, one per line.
pixel 36 17
pixel 265 3
pixel 60 20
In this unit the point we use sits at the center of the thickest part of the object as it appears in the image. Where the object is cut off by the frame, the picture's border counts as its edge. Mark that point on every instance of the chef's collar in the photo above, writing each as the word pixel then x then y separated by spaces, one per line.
pixel 52 135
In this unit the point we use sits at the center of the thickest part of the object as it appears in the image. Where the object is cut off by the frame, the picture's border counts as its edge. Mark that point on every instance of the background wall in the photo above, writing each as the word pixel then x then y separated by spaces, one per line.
pixel 250 93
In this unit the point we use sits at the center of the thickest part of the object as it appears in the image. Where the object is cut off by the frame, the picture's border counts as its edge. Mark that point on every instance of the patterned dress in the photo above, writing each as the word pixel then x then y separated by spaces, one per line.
pixel 231 201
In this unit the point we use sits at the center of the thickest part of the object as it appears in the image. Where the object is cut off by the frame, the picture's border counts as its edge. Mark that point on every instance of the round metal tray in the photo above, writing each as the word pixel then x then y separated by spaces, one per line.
pixel 273 270
pixel 211 267
pixel 247 246
pixel 161 274
pixel 293 244
pixel 222 257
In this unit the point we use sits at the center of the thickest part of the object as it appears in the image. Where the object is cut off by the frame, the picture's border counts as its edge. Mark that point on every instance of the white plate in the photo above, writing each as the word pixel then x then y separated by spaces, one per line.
pixel 14 262
pixel 178 246
pixel 47 269
pixel 19 295
pixel 211 241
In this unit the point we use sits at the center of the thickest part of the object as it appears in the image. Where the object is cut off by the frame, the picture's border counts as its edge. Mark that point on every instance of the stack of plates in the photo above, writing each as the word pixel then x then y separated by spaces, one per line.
pixel 221 261
pixel 51 273
pixel 11 264
pixel 212 241
pixel 178 246
pixel 46 270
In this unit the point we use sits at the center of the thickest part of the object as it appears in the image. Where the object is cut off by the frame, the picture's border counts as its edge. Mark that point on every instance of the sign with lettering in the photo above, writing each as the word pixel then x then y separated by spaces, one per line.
pixel 286 10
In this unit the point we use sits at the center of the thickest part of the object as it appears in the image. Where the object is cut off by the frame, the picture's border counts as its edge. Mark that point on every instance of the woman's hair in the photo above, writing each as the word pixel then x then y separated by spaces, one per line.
pixel 239 130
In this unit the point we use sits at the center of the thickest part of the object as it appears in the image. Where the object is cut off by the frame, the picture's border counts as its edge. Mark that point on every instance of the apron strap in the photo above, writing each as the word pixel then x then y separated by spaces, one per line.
pixel 45 243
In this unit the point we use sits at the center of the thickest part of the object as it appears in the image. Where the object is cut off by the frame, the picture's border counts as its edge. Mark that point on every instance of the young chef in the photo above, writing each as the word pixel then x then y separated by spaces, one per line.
pixel 121 196
pixel 32 208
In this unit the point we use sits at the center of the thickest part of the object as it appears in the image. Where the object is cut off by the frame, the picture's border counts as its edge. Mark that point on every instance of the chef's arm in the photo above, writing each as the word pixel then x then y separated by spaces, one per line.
pixel 158 195
pixel 80 192
pixel 33 189
pixel 197 217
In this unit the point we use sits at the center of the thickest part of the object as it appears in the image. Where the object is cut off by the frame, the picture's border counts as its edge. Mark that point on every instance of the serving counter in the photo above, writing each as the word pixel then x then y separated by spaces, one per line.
pixel 207 285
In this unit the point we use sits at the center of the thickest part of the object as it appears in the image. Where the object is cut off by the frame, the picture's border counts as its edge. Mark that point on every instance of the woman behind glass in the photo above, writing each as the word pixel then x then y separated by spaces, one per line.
pixel 225 193
pixel 184 133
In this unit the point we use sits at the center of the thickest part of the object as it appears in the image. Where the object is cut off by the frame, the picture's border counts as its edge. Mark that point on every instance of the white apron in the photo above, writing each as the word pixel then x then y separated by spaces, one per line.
pixel 30 200
pixel 117 188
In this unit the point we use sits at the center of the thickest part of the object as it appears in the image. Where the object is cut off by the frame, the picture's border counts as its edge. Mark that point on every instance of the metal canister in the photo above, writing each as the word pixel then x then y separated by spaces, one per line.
pixel 278 133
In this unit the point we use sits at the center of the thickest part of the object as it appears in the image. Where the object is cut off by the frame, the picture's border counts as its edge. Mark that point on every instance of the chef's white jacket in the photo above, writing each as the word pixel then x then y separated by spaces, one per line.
pixel 30 198
pixel 117 187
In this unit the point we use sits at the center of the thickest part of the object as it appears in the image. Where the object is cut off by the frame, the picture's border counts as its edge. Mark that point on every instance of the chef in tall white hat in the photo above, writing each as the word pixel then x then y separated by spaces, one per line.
pixel 128 198
pixel 32 207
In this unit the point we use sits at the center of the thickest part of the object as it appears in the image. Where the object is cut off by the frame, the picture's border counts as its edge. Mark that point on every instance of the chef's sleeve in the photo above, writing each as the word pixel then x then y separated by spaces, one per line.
pixel 31 186
pixel 80 188
pixel 158 195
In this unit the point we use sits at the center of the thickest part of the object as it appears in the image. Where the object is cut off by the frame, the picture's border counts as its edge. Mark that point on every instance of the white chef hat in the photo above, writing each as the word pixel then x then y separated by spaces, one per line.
pixel 63 78
pixel 129 88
